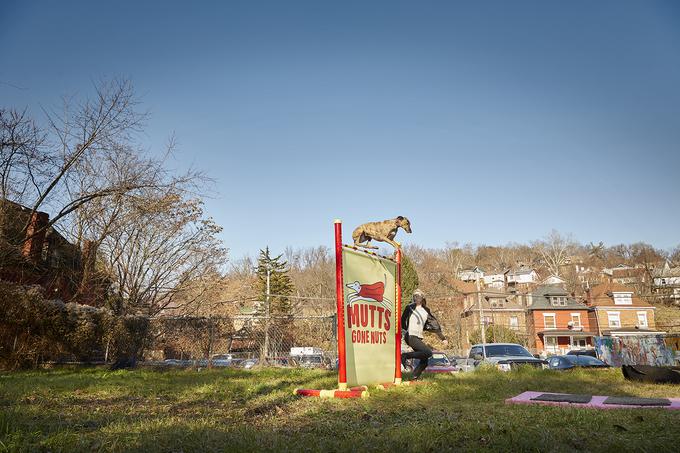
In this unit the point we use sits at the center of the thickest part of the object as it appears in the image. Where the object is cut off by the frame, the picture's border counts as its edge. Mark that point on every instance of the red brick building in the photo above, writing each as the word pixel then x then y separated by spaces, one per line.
pixel 557 322
pixel 38 254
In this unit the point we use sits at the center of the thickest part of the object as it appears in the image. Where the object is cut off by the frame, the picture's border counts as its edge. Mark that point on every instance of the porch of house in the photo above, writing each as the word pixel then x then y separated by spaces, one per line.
pixel 557 342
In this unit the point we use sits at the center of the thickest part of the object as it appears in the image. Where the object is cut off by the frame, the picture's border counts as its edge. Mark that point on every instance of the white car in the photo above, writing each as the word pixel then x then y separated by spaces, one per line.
pixel 503 356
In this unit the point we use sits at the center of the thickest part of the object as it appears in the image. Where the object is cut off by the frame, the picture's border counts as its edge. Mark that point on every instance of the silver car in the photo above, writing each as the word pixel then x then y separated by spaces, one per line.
pixel 504 356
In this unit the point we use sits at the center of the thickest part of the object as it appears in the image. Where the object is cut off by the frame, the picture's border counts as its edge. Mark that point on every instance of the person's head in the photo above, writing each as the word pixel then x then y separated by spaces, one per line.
pixel 419 297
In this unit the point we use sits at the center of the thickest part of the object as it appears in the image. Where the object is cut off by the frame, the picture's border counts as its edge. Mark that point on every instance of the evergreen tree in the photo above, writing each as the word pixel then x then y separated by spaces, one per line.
pixel 409 280
pixel 277 331
pixel 280 284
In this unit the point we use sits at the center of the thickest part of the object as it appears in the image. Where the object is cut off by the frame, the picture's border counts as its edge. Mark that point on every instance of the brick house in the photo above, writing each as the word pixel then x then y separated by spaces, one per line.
pixel 498 308
pixel 38 255
pixel 615 310
pixel 557 322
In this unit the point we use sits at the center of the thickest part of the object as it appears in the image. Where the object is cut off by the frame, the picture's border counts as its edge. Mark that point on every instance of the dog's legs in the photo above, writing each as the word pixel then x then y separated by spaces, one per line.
pixel 394 244
pixel 366 246
pixel 362 237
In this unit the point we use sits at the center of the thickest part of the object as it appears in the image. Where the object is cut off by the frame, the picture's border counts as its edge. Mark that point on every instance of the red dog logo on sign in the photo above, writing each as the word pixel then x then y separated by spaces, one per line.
pixel 373 292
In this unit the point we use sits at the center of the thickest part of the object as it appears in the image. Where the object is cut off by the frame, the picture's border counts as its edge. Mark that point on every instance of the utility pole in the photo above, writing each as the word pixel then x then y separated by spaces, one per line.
pixel 266 322
pixel 481 317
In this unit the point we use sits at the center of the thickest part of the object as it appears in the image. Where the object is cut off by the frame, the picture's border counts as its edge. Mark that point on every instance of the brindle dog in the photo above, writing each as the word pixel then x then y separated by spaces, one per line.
pixel 384 231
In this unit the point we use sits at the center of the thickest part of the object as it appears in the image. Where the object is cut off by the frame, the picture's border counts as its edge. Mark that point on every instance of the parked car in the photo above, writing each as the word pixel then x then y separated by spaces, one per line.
pixel 222 360
pixel 314 361
pixel 284 362
pixel 454 359
pixel 568 362
pixel 248 363
pixel 178 362
pixel 587 352
pixel 504 356
pixel 439 363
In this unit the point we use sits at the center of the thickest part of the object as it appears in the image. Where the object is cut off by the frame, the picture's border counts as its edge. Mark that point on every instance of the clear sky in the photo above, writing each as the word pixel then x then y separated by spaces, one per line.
pixel 483 122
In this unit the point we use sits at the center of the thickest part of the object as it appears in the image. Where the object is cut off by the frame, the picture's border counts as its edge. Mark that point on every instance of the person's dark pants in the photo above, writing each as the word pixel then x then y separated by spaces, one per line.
pixel 421 351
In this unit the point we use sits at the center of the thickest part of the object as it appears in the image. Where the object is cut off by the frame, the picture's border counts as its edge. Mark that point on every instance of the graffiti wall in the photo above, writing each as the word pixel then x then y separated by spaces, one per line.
pixel 654 350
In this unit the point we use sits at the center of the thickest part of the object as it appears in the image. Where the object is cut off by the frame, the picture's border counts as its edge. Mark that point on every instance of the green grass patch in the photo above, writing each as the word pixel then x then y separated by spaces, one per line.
pixel 239 410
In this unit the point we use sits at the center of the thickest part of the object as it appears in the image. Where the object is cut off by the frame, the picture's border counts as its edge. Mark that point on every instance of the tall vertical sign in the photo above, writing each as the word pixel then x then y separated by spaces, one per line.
pixel 368 316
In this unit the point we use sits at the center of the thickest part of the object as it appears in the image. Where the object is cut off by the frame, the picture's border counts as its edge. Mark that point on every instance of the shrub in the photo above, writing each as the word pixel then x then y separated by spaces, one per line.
pixel 34 330
pixel 496 334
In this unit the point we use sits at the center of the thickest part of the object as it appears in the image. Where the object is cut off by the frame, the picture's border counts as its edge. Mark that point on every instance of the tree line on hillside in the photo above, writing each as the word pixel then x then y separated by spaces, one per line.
pixel 312 270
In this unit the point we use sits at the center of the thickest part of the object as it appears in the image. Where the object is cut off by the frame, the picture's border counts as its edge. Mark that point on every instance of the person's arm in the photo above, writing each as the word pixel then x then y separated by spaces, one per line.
pixel 405 317
pixel 432 325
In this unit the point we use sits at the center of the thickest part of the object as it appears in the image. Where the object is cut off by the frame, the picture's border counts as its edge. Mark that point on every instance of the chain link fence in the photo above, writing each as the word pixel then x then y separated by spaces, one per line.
pixel 244 341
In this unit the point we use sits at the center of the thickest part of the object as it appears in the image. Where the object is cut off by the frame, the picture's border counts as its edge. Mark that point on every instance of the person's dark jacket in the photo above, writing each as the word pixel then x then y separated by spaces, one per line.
pixel 431 325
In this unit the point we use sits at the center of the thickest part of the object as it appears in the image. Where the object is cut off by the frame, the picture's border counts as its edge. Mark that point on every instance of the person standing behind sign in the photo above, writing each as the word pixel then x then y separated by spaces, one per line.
pixel 415 320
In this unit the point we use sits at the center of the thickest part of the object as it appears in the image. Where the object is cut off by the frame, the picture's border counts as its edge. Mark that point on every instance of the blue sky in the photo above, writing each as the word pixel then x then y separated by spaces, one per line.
pixel 483 122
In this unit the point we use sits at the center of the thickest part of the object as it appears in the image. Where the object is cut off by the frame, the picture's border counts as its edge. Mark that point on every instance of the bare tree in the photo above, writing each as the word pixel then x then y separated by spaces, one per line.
pixel 21 144
pixel 555 250
pixel 158 251
pixel 674 256
pixel 88 151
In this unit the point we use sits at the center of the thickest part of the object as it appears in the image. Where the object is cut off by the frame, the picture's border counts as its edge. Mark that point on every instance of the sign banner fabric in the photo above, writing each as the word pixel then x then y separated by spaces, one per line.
pixel 369 285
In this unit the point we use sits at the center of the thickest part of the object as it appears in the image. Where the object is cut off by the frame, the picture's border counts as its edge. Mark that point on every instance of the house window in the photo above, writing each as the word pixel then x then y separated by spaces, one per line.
pixel 514 324
pixel 614 318
pixel 623 298
pixel 576 319
pixel 551 344
pixel 487 320
pixel 578 343
pixel 549 321
pixel 497 303
pixel 558 301
pixel 642 318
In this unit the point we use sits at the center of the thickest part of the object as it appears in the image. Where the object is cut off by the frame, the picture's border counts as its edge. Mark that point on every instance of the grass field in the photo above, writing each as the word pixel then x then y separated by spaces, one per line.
pixel 236 410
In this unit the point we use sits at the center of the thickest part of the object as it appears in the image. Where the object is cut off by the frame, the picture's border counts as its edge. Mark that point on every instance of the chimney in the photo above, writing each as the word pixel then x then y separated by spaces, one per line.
pixel 35 237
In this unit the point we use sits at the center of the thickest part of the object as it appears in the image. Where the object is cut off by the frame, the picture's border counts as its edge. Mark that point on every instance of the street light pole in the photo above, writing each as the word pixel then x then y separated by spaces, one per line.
pixel 481 317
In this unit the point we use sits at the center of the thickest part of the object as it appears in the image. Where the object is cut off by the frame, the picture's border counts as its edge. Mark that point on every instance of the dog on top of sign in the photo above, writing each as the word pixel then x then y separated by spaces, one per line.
pixel 368 292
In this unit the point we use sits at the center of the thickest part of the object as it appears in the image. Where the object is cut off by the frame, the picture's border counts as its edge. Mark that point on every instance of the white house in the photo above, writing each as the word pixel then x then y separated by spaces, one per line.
pixel 471 275
pixel 494 280
pixel 667 275
pixel 522 276
pixel 554 280
pixel 667 281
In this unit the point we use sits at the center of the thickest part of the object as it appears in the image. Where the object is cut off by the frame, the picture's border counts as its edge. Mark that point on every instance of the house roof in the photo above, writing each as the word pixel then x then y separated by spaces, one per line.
pixel 631 330
pixel 554 278
pixel 541 299
pixel 602 296
pixel 667 271
pixel 511 302
pixel 566 332
pixel 472 270
pixel 524 271
pixel 628 272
